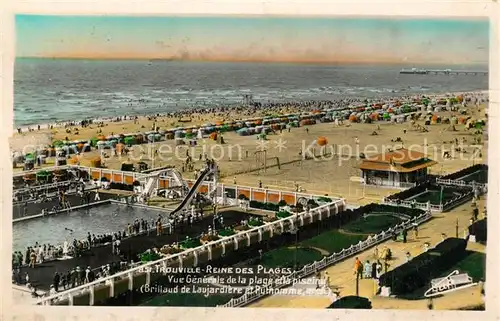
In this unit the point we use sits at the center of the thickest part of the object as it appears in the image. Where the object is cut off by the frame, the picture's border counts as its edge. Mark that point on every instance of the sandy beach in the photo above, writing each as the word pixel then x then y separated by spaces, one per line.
pixel 329 171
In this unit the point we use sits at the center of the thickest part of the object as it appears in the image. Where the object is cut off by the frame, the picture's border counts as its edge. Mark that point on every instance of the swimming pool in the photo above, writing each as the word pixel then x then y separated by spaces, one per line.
pixel 55 229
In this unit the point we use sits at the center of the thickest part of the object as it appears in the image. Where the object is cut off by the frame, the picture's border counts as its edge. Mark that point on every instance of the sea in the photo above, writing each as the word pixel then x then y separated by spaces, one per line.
pixel 52 90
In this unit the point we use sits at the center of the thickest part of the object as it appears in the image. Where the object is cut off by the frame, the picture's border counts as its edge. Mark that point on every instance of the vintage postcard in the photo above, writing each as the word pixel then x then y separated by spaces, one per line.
pixel 335 162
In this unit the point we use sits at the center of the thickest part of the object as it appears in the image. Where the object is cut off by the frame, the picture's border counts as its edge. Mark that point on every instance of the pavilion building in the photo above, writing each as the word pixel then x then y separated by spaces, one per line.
pixel 398 168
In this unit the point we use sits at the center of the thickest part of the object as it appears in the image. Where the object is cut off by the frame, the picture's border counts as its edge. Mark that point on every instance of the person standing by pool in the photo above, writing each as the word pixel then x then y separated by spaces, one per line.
pixel 158 224
pixel 32 259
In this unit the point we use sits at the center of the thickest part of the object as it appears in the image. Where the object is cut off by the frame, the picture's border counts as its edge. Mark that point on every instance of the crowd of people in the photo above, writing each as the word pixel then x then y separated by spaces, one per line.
pixel 249 109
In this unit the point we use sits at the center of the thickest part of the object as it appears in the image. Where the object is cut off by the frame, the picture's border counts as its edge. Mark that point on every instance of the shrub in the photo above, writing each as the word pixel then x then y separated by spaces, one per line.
pixel 312 203
pixel 282 203
pixel 121 186
pixel 351 302
pixel 190 243
pixel 479 230
pixel 255 222
pixel 148 257
pixel 282 214
pixel 420 270
pixel 325 199
pixel 226 232
pixel 242 197
pixel 209 238
pixel 264 206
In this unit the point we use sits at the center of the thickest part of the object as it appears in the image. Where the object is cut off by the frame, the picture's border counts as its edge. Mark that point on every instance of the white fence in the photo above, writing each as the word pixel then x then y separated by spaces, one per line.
pixel 42 187
pixel 460 183
pixel 272 227
pixel 431 207
pixel 412 204
pixel 389 184
pixel 284 281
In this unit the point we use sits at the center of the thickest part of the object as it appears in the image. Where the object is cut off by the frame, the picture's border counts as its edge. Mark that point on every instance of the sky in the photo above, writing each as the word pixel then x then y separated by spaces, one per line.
pixel 259 39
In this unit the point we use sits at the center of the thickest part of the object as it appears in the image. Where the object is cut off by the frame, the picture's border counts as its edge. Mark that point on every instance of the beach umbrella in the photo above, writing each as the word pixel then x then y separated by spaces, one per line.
pixel 321 141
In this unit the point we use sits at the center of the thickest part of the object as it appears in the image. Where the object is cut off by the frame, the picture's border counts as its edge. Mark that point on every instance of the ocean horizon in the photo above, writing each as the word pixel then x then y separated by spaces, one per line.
pixel 48 90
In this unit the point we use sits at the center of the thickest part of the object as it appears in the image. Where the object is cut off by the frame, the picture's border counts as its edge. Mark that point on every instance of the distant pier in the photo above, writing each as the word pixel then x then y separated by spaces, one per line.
pixel 415 71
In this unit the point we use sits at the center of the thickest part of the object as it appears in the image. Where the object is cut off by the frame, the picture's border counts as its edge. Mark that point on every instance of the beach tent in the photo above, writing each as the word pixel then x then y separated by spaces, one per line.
pixel 129 140
pixel 386 116
pixel 57 143
pixel 242 131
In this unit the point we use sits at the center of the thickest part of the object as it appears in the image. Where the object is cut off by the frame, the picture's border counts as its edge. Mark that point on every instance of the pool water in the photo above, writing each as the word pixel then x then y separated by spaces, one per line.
pixel 97 220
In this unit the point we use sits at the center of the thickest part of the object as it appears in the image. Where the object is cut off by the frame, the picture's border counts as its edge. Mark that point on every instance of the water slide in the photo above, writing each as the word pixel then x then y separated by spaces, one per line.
pixel 185 202
pixel 178 177
pixel 152 180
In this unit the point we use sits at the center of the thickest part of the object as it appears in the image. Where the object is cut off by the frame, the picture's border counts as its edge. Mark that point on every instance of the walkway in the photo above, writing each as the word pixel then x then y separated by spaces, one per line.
pixel 342 277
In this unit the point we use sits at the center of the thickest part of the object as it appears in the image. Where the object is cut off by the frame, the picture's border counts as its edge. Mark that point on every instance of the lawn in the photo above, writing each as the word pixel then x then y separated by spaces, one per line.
pixel 285 257
pixel 434 196
pixel 474 264
pixel 187 300
pixel 333 241
pixel 479 177
pixel 372 224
